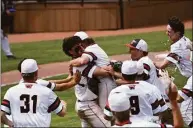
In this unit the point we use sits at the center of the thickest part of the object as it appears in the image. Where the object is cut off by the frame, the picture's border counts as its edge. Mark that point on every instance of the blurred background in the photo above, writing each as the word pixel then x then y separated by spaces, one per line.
pixel 33 16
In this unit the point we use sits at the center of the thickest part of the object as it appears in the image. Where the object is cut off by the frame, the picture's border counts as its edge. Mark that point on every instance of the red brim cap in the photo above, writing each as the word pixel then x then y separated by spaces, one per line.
pixel 130 46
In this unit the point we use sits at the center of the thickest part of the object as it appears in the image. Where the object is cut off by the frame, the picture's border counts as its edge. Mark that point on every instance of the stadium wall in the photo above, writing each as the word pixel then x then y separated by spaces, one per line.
pixel 59 17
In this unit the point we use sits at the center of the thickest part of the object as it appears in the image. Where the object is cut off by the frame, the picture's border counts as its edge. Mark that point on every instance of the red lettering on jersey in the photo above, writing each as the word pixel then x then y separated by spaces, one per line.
pixel 28 85
pixel 132 87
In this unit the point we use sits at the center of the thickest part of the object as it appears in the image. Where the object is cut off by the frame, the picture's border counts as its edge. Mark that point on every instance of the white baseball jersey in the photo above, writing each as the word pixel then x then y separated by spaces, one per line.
pixel 143 99
pixel 43 83
pixel 151 71
pixel 179 54
pixel 39 82
pixel 87 97
pixel 30 105
pixel 186 106
pixel 82 91
pixel 96 54
pixel 142 123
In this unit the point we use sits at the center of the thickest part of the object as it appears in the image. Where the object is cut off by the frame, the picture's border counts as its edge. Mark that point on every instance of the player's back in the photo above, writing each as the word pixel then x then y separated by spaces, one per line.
pixel 43 82
pixel 29 104
pixel 102 57
pixel 141 97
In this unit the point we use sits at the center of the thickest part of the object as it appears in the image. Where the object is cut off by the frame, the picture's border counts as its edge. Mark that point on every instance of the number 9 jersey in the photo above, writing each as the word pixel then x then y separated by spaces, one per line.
pixel 30 105
pixel 143 99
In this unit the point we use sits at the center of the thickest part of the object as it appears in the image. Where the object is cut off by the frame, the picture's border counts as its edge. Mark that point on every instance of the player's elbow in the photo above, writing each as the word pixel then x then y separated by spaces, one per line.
pixel 62 113
pixel 83 61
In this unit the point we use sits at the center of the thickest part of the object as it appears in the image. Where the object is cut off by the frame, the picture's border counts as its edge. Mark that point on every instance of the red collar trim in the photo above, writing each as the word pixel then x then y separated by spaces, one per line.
pixel 122 123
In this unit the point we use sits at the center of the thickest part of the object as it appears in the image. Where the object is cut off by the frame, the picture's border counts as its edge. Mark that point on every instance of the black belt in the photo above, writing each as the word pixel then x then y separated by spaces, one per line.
pixel 191 124
pixel 86 100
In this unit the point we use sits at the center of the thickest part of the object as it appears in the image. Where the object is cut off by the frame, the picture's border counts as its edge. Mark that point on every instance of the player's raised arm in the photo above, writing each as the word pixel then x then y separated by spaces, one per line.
pixel 69 78
pixel 80 61
pixel 177 117
pixel 66 85
pixel 162 65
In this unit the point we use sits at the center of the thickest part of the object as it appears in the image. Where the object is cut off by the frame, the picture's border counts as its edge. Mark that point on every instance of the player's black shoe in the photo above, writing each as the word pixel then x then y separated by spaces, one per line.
pixel 10 57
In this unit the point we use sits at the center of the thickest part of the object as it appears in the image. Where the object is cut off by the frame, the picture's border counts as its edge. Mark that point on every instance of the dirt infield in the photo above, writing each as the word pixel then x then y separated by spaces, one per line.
pixel 62 67
pixel 18 38
pixel 52 69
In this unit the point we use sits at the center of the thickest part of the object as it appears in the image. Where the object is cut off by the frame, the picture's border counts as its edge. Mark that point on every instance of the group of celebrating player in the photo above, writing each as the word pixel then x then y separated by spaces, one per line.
pixel 133 93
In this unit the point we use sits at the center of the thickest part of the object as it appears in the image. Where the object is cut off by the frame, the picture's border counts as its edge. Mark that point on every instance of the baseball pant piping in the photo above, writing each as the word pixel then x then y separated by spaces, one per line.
pixel 96 115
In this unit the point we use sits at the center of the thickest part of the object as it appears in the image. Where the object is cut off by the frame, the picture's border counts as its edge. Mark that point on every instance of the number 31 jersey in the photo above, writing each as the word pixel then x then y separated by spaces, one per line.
pixel 30 105
pixel 144 103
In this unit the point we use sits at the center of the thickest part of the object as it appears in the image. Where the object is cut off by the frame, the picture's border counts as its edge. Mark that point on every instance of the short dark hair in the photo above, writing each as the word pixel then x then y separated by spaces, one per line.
pixel 29 76
pixel 69 42
pixel 88 41
pixel 145 53
pixel 122 116
pixel 129 77
pixel 176 24
pixel 19 65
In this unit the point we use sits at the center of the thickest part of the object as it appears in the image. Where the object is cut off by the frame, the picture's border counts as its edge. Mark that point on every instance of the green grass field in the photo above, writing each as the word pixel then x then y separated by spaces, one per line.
pixel 50 51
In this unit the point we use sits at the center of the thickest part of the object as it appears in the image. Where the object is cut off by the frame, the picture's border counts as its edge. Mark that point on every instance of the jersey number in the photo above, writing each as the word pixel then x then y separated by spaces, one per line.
pixel 26 99
pixel 134 101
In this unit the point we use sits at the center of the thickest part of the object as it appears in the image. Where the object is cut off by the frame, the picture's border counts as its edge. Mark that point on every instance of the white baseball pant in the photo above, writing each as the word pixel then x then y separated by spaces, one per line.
pixel 91 114
pixel 105 86
pixel 5 44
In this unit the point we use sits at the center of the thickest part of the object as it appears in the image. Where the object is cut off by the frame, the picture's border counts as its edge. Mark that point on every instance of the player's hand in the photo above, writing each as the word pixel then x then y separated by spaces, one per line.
pixel 77 77
pixel 10 124
pixel 173 92
pixel 64 104
pixel 71 69
pixel 165 79
pixel 164 76
pixel 69 77
pixel 109 69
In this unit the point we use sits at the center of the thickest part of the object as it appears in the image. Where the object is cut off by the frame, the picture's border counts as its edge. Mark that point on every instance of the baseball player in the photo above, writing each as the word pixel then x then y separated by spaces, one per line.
pixel 6 12
pixel 139 52
pixel 180 48
pixel 56 85
pixel 29 103
pixel 185 96
pixel 86 90
pixel 120 105
pixel 144 97
pixel 94 53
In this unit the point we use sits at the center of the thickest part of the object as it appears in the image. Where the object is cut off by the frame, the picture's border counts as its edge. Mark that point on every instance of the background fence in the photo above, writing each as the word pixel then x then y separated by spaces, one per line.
pixel 56 16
